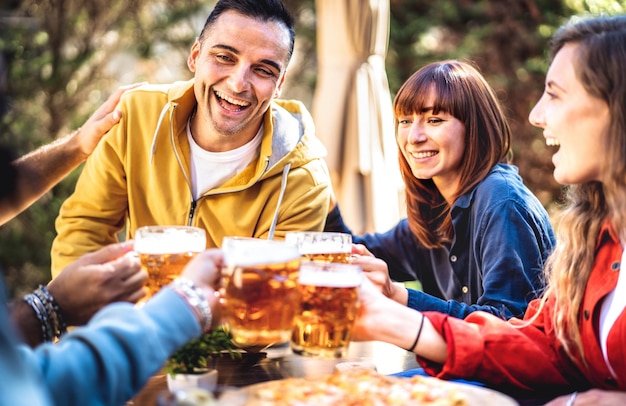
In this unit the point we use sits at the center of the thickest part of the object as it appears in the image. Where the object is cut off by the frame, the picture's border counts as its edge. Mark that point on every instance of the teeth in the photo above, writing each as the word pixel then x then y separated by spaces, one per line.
pixel 552 142
pixel 231 100
pixel 420 155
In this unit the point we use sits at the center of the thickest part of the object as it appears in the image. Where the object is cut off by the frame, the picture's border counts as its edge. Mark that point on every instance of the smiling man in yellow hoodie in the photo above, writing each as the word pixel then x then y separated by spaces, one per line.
pixel 219 152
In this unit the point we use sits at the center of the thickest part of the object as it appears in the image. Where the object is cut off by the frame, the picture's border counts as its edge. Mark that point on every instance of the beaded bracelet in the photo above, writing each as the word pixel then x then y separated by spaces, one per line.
pixel 42 316
pixel 60 327
pixel 48 313
pixel 196 299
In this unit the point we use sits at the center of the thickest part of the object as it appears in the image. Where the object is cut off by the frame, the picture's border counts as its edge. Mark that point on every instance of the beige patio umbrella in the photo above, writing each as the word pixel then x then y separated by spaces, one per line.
pixel 353 112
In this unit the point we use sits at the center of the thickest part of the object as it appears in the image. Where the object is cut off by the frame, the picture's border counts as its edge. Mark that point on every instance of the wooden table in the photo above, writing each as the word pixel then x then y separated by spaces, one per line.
pixel 279 362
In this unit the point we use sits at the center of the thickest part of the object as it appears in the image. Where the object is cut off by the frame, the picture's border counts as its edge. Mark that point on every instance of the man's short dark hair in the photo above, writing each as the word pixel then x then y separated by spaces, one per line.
pixel 262 10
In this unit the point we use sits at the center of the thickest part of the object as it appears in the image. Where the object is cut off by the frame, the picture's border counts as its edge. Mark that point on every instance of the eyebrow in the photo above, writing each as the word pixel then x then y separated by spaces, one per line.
pixel 235 51
pixel 552 83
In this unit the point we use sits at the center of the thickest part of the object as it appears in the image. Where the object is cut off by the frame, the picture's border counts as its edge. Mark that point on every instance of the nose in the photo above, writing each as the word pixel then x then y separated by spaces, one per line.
pixel 536 116
pixel 238 80
pixel 416 133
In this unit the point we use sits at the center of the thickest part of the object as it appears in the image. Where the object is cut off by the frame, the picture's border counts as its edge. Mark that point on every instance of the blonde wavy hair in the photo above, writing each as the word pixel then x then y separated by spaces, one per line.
pixel 601 57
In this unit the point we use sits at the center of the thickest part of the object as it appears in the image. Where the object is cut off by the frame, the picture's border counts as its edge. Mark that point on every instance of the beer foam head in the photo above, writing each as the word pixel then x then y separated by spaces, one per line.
pixel 320 242
pixel 324 247
pixel 330 275
pixel 255 251
pixel 170 241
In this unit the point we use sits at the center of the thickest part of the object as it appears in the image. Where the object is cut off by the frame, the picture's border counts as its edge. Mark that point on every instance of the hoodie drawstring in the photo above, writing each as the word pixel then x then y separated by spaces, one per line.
pixel 156 131
pixel 283 186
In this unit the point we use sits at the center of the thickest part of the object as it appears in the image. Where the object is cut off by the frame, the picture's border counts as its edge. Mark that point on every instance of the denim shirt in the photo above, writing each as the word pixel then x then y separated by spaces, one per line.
pixel 502 237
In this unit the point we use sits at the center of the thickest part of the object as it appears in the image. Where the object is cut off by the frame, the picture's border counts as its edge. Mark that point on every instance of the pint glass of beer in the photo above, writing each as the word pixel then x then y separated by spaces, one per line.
pixel 165 250
pixel 259 290
pixel 322 246
pixel 327 307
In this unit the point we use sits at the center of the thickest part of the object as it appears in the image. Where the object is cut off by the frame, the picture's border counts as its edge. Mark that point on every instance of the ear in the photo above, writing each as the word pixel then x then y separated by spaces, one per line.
pixel 193 56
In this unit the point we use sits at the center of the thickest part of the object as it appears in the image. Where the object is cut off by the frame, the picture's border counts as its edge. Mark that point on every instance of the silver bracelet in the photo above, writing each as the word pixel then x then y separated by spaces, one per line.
pixel 196 298
pixel 572 399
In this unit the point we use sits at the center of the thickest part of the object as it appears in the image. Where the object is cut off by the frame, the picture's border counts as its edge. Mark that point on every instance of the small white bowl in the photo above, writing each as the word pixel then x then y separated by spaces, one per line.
pixel 181 382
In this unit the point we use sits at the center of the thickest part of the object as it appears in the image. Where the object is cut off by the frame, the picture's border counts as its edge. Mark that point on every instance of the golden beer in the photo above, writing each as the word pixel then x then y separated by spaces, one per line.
pixel 327 308
pixel 163 268
pixel 259 291
pixel 338 257
pixel 322 246
pixel 164 251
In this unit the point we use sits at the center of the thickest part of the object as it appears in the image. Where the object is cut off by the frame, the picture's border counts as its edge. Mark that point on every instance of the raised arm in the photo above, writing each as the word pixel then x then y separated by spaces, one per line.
pixel 38 171
pixel 383 319
pixel 483 347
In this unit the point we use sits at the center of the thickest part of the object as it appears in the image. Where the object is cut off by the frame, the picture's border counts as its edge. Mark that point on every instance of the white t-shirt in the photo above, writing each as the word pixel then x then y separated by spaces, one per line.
pixel 612 306
pixel 212 169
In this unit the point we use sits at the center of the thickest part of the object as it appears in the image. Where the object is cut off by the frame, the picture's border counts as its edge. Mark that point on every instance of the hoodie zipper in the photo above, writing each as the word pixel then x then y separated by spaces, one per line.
pixel 192 211
pixel 194 203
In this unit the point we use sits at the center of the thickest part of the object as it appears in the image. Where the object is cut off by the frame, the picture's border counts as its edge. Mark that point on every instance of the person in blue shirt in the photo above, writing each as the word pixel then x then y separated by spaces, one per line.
pixel 110 359
pixel 475 236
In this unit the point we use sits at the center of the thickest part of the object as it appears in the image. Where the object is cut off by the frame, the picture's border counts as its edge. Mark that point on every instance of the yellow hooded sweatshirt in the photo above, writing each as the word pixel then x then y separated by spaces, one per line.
pixel 139 175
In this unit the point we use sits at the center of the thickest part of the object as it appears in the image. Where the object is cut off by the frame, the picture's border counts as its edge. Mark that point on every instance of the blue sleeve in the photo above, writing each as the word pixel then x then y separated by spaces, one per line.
pixel 398 247
pixel 424 302
pixel 20 384
pixel 110 360
pixel 510 260
pixel 334 222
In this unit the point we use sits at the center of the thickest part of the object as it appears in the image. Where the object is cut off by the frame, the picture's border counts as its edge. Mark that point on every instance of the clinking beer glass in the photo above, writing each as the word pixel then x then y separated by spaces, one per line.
pixel 259 290
pixel 327 307
pixel 164 252
pixel 322 246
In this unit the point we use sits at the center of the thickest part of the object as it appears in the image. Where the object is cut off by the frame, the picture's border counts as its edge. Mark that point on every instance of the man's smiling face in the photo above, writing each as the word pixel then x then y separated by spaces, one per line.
pixel 239 68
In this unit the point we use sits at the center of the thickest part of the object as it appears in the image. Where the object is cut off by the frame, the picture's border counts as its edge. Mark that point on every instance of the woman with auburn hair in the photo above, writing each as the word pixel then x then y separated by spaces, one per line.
pixel 574 337
pixel 475 237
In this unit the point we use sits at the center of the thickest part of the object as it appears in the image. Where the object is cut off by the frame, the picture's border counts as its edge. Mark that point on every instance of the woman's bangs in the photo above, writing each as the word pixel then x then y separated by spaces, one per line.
pixel 443 96
pixel 422 95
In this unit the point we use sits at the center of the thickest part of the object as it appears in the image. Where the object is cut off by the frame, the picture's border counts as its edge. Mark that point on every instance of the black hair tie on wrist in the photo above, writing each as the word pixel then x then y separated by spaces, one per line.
pixel 417 337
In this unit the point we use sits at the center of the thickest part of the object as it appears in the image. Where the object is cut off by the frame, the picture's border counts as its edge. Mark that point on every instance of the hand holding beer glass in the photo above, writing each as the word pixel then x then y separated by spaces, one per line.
pixel 259 290
pixel 164 252
pixel 322 246
pixel 327 307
